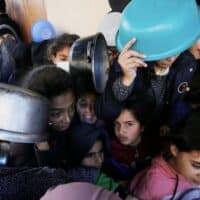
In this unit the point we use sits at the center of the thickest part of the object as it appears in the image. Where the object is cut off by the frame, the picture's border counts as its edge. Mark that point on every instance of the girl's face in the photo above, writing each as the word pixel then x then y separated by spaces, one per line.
pixel 187 164
pixel 85 109
pixel 127 128
pixel 95 156
pixel 61 55
pixel 62 111
pixel 61 59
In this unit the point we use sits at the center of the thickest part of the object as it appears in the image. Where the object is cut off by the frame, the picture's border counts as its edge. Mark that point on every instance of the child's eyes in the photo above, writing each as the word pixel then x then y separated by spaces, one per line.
pixel 196 166
pixel 93 154
pixel 55 114
pixel 130 124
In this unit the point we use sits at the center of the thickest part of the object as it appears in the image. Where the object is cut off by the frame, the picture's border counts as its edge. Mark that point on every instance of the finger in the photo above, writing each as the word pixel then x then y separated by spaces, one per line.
pixel 136 61
pixel 132 53
pixel 132 66
pixel 128 45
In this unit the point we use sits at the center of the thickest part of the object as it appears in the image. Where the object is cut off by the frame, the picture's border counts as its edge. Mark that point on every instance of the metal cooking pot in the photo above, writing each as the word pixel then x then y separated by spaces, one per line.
pixel 91 53
pixel 23 115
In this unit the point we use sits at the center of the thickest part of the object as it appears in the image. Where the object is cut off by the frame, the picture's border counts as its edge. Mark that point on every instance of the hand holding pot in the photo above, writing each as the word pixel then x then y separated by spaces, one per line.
pixel 129 61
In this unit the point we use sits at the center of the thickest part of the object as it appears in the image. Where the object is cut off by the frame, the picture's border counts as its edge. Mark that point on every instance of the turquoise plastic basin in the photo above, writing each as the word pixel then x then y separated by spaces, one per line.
pixel 163 28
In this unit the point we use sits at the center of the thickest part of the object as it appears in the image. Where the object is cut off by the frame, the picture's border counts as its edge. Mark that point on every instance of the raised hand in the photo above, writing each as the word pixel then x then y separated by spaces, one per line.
pixel 129 61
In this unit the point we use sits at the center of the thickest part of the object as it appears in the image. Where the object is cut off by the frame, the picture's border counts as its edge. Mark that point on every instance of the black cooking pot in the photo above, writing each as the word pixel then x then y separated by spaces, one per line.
pixel 91 53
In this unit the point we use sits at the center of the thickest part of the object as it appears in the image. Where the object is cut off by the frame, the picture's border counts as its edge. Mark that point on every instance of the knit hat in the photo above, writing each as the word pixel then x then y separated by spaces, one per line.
pixel 77 190
pixel 80 140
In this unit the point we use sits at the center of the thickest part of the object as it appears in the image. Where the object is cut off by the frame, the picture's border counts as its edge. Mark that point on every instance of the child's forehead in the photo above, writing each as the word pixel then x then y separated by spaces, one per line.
pixel 127 113
pixel 193 155
pixel 67 97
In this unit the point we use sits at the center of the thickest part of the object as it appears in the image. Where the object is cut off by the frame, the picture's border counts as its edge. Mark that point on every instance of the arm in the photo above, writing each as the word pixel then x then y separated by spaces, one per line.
pixel 108 105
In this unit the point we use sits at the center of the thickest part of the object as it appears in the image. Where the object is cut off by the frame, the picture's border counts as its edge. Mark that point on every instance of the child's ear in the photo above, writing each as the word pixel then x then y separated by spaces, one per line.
pixel 174 150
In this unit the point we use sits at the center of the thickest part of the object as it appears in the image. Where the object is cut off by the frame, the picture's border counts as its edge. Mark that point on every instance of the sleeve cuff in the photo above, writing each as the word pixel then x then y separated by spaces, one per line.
pixel 120 91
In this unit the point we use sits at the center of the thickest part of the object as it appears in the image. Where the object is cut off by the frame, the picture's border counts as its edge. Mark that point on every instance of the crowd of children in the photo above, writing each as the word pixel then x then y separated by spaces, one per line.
pixel 139 139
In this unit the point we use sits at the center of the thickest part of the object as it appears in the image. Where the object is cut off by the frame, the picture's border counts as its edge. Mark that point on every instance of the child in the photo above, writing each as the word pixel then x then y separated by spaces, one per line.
pixel 58 51
pixel 18 178
pixel 130 146
pixel 86 96
pixel 186 68
pixel 56 85
pixel 87 146
pixel 175 170
pixel 130 76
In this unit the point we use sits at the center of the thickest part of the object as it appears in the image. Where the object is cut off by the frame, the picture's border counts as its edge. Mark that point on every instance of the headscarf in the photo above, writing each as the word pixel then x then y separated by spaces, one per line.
pixel 80 139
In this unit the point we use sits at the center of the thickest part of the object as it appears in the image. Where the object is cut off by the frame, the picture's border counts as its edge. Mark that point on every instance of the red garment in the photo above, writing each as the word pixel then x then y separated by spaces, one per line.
pixel 157 182
pixel 126 154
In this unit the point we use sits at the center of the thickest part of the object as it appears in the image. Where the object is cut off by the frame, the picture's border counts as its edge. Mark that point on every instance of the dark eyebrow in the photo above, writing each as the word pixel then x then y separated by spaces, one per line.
pixel 60 109
pixel 100 150
pixel 56 109
pixel 132 121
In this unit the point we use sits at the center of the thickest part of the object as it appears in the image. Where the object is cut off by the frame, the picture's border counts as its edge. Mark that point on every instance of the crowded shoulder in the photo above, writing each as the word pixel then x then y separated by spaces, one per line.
pixel 111 116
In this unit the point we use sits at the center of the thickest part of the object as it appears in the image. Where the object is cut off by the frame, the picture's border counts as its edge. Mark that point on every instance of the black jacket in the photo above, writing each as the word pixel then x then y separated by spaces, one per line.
pixel 107 107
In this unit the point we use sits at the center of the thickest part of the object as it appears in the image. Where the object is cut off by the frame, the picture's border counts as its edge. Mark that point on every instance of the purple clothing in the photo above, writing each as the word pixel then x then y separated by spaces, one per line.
pixel 74 191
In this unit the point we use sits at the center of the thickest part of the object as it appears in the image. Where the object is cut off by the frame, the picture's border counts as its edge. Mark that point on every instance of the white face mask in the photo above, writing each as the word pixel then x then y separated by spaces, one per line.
pixel 63 65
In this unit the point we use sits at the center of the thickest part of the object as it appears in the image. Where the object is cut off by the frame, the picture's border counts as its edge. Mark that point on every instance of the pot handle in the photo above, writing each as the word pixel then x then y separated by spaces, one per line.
pixel 90 47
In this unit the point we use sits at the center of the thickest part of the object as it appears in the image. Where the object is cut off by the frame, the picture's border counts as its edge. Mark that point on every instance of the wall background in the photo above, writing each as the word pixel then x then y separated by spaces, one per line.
pixel 76 16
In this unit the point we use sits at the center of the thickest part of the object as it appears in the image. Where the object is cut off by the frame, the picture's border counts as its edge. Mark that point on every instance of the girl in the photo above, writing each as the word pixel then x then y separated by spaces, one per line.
pixel 58 51
pixel 87 145
pixel 131 148
pixel 176 169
